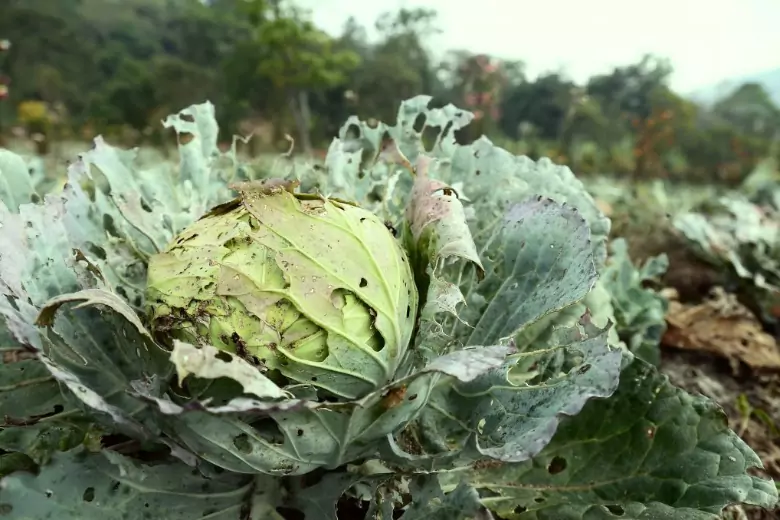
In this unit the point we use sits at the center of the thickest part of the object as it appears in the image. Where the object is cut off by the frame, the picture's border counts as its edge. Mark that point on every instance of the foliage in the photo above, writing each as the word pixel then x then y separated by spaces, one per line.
pixel 640 312
pixel 119 68
pixel 739 234
pixel 513 399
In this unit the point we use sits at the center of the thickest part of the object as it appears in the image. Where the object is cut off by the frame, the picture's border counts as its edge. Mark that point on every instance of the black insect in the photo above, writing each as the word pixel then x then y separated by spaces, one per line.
pixel 240 345
pixel 389 225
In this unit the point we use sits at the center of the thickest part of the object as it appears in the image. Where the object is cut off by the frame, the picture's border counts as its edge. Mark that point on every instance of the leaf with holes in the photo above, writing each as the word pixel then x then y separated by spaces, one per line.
pixel 653 451
pixel 78 485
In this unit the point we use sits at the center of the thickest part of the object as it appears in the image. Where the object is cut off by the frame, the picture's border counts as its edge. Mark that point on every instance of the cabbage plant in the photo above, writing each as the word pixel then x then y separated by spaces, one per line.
pixel 741 239
pixel 402 333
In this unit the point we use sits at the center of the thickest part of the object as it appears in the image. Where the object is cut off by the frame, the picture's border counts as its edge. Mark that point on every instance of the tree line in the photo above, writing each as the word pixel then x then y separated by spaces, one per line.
pixel 76 68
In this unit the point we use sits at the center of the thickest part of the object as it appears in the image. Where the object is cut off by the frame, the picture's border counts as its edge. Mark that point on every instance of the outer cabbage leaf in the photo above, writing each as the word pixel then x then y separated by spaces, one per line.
pixel 539 261
pixel 430 502
pixel 116 212
pixel 651 451
pixel 79 486
pixel 97 233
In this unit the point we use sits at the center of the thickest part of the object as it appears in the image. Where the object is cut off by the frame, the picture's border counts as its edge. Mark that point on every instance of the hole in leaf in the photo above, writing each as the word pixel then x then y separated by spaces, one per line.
pixel 429 136
pixel 408 311
pixel 519 509
pixel 288 513
pixel 224 356
pixel 557 464
pixel 447 129
pixel 538 500
pixel 268 430
pixel 97 251
pixel 363 282
pixel 419 123
pixel 242 443
pixel 584 368
pixel 187 117
pixel 353 132
pixel 185 138
pixel 89 494
pixel 145 206
pixel 299 432
pixel 58 408
pixel 616 509
pixel 109 226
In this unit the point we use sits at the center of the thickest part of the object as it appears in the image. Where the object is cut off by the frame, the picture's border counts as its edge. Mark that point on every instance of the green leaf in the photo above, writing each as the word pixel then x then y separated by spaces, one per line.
pixel 436 234
pixel 16 185
pixel 206 362
pixel 110 217
pixel 300 434
pixel 28 390
pixel 538 261
pixel 640 312
pixel 505 414
pixel 742 238
pixel 650 451
pixel 429 502
pixel 37 419
pixel 488 176
pixel 319 501
pixel 79 486
pixel 97 348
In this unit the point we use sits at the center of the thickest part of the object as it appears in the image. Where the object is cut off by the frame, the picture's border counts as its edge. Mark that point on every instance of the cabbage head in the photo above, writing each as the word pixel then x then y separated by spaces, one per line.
pixel 309 290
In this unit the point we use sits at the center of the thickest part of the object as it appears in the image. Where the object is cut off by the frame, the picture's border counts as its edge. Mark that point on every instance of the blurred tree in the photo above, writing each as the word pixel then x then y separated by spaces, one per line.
pixel 750 109
pixel 628 90
pixel 478 82
pixel 398 66
pixel 626 97
pixel 543 103
pixel 119 66
pixel 291 57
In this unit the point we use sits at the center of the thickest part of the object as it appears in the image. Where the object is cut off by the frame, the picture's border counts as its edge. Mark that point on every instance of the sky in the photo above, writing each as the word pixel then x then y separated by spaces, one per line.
pixel 706 41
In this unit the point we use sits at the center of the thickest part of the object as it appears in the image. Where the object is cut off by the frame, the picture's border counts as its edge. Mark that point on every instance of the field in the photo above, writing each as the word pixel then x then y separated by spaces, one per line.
pixel 692 285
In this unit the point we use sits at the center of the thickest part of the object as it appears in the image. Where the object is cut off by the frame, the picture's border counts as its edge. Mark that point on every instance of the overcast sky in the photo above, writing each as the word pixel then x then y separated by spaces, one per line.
pixel 706 41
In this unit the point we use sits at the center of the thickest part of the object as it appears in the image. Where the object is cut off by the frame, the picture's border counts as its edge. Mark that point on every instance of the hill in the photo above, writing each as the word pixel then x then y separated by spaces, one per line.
pixel 769 79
